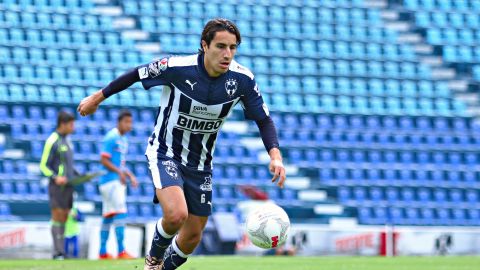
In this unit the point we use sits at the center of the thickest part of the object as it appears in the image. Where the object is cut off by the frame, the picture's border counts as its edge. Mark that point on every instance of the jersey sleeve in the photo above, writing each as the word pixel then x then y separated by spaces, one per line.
pixel 154 73
pixel 253 105
pixel 108 144
pixel 49 150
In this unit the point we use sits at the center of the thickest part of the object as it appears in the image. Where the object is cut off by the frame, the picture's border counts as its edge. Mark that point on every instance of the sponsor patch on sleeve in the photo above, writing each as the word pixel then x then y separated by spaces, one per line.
pixel 156 68
pixel 163 64
pixel 153 69
pixel 143 72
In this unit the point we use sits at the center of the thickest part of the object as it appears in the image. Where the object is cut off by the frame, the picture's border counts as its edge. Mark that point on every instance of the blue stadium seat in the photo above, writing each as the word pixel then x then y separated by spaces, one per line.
pixel 5 210
pixel 343 194
pixel 21 189
pixel 474 216
pixel 90 191
pixel 37 191
pixel 392 195
pixel 273 193
pixel 456 196
pixel 427 216
pixel 443 216
pixel 140 170
pixel 146 211
pixel 132 211
pixel 288 194
pixel 262 173
pixel 380 214
pixel 247 173
pixel 396 215
pixel 375 194
pixel 359 194
pixel 459 217
pixel 412 216
pixel 145 190
pixel 472 196
pixel 231 172
pixel 365 216
pixel 423 195
pixel 440 195
pixel 407 195
pixel 226 192
pixel 7 186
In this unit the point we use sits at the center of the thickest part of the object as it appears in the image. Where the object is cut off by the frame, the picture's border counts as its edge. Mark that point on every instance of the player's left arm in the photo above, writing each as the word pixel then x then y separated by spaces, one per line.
pixel 256 109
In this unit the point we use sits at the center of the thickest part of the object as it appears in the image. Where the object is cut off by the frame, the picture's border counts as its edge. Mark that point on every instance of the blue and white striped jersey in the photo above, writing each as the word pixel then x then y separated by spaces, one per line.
pixel 194 106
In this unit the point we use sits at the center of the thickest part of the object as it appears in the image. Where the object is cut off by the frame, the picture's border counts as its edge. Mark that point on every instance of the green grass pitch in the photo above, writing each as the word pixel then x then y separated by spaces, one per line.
pixel 263 263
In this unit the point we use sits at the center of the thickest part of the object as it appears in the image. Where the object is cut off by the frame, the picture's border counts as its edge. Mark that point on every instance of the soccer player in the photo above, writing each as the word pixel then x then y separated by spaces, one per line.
pixel 57 164
pixel 199 92
pixel 113 185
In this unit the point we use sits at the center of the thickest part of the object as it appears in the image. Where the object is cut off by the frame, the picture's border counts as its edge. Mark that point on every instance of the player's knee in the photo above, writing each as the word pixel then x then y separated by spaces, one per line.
pixel 175 219
pixel 60 217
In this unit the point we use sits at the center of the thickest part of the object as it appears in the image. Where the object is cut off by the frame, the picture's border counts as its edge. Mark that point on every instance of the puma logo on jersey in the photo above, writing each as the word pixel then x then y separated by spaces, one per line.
pixel 191 84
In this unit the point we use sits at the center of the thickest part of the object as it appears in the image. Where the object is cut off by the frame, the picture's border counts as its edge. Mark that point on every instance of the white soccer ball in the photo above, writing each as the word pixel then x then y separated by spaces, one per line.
pixel 268 226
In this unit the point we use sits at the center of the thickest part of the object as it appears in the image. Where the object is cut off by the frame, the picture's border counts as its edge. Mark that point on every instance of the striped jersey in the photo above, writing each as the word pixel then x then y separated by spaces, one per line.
pixel 194 106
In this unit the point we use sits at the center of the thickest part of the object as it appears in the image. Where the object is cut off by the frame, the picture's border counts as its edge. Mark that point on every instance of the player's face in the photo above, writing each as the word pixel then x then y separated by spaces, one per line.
pixel 125 125
pixel 69 127
pixel 219 54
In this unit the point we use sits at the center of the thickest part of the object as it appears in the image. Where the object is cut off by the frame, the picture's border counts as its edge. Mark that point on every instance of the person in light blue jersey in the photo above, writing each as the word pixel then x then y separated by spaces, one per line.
pixel 113 185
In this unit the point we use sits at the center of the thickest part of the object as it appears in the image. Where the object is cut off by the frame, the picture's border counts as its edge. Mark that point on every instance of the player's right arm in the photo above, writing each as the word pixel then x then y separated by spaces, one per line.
pixel 107 163
pixel 90 104
pixel 150 75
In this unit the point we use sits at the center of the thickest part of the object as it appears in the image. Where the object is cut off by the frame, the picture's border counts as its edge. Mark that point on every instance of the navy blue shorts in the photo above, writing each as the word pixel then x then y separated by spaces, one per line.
pixel 196 185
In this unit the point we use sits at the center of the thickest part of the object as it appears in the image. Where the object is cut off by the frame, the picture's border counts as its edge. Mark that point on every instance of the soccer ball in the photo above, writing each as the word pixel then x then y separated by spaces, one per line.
pixel 268 226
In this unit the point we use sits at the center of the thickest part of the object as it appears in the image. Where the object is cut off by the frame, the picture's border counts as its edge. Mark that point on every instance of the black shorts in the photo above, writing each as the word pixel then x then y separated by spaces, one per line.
pixel 60 196
pixel 196 185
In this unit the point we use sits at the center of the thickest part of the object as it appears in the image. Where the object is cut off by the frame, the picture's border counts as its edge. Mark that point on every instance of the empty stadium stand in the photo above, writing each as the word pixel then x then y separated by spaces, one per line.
pixel 363 122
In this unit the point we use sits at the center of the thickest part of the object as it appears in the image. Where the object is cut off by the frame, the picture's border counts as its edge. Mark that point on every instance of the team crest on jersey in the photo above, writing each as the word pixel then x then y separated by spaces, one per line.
pixel 231 86
pixel 207 185
pixel 171 168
